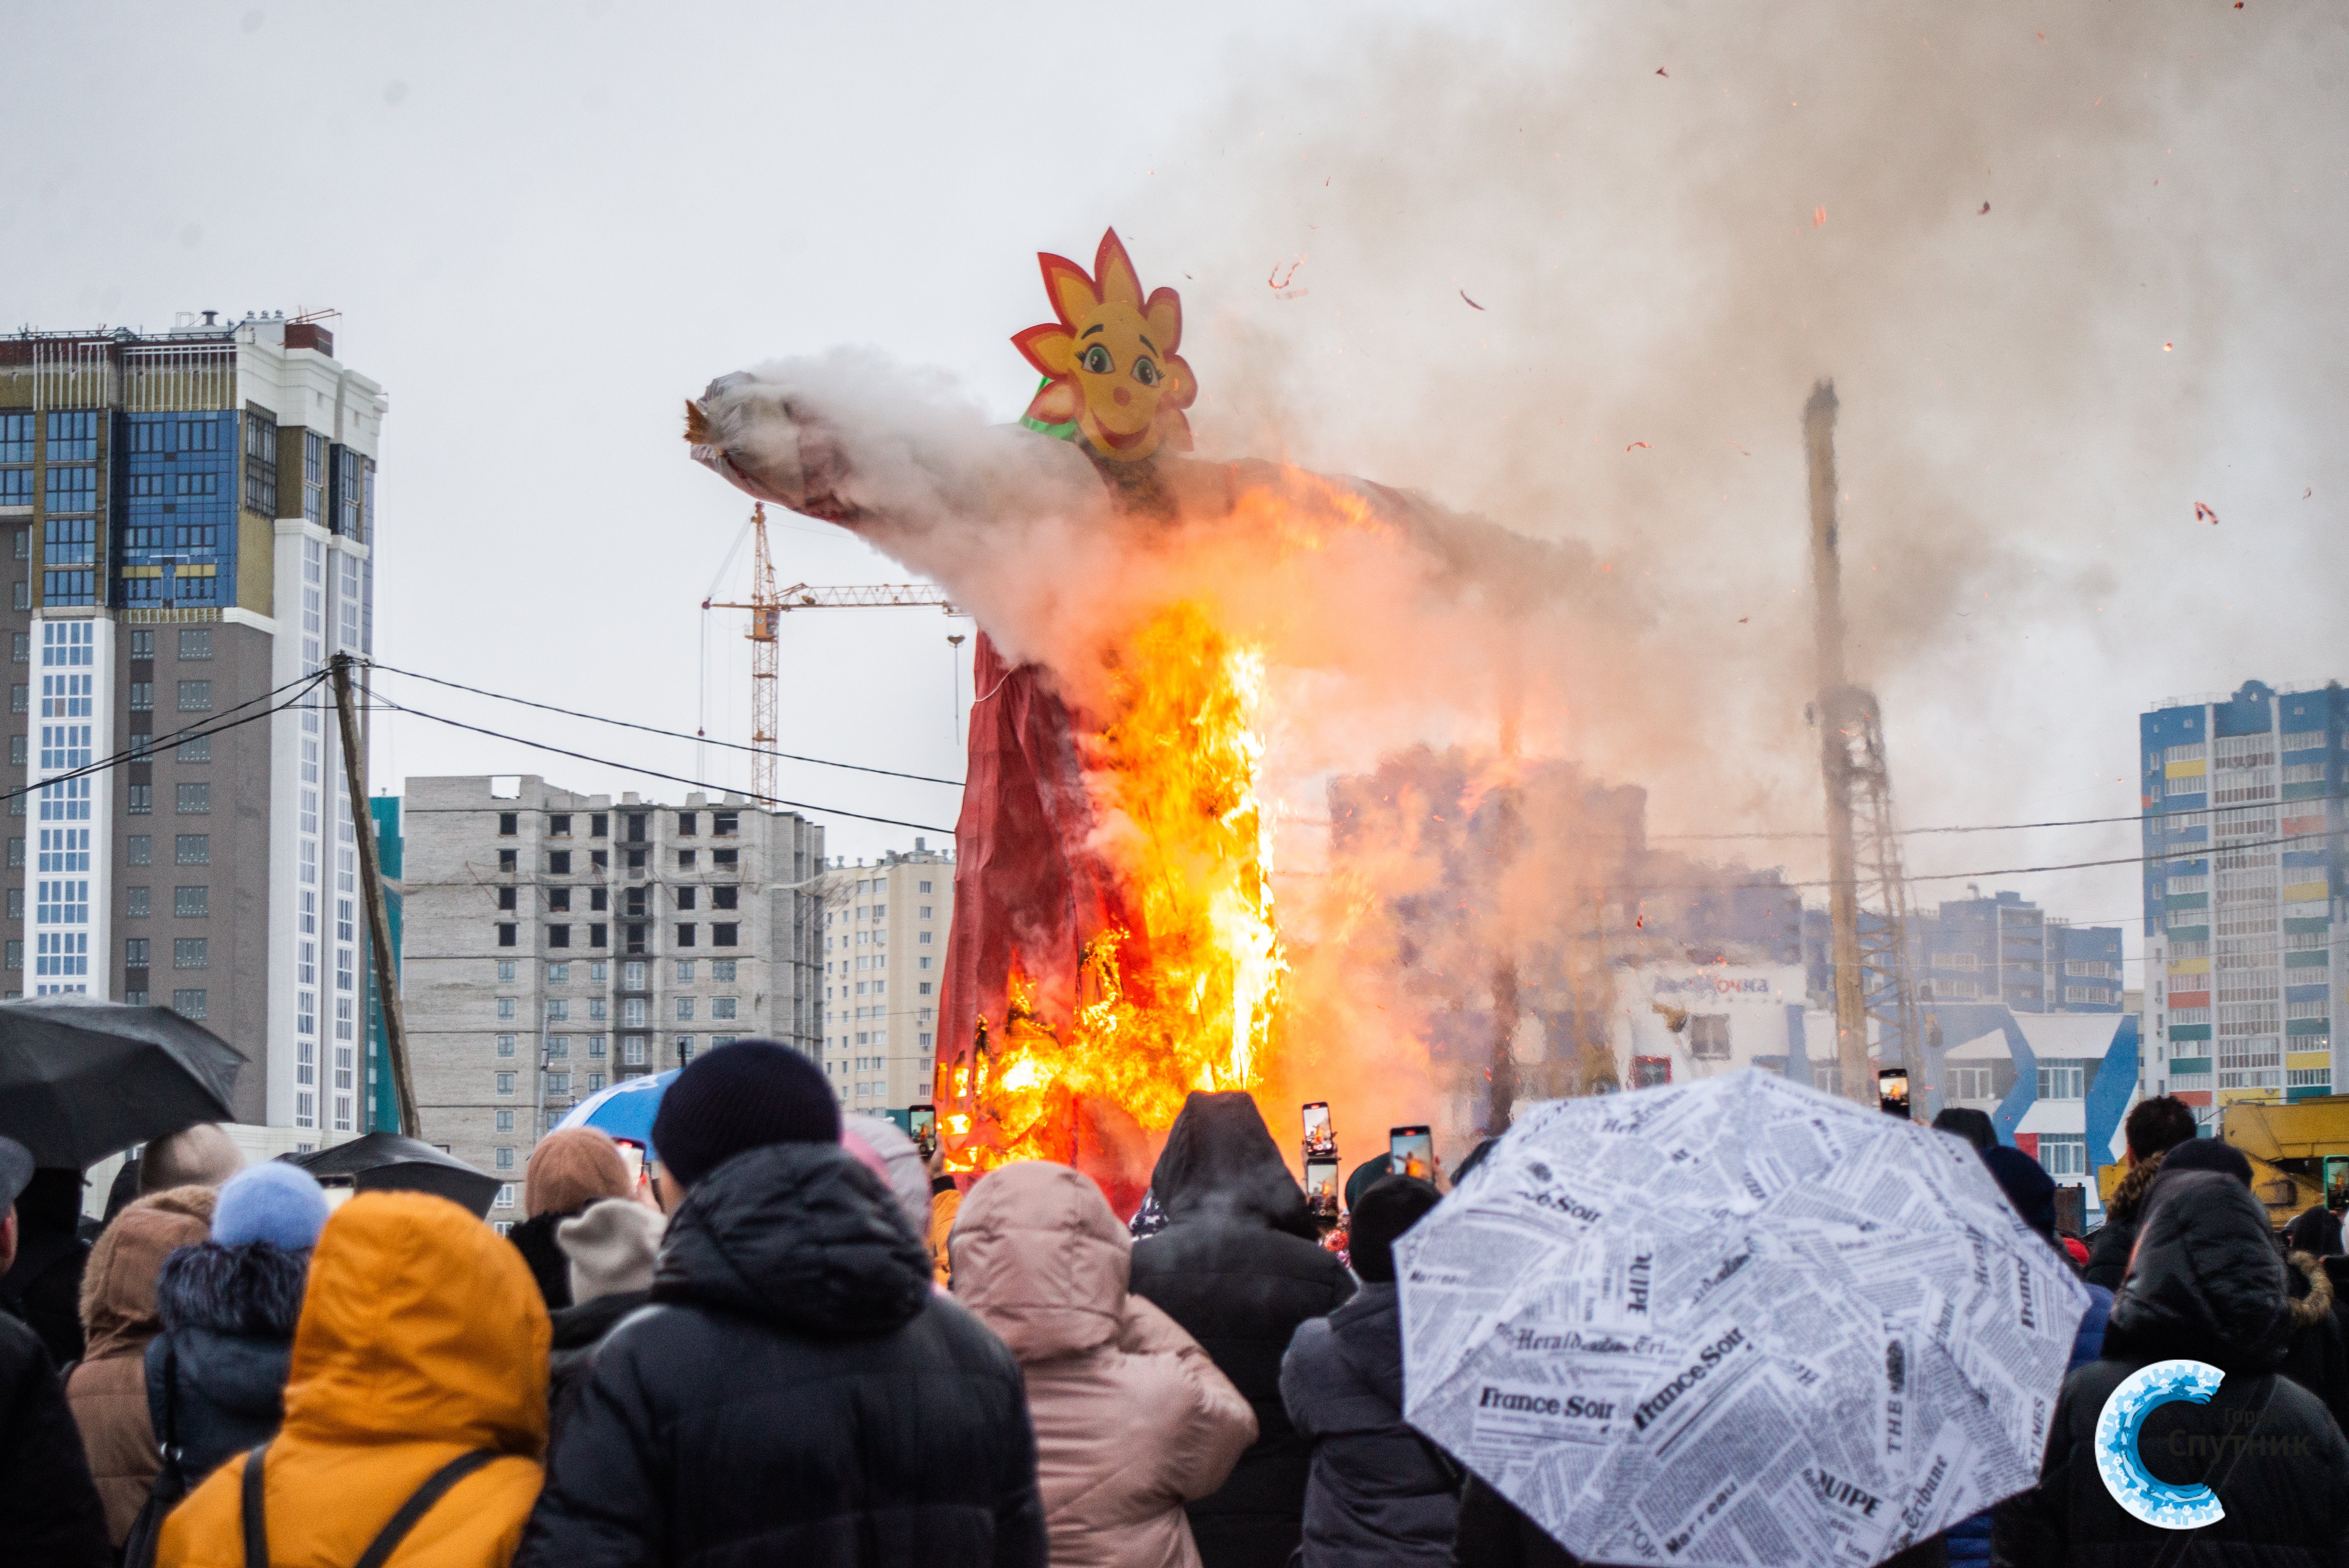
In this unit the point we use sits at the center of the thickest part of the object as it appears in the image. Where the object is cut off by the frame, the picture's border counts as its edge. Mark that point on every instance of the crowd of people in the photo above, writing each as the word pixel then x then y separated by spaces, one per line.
pixel 793 1340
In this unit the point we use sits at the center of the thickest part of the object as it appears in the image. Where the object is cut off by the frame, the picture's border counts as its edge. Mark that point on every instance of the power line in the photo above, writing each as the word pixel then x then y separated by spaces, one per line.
pixel 2019 826
pixel 178 738
pixel 378 700
pixel 668 734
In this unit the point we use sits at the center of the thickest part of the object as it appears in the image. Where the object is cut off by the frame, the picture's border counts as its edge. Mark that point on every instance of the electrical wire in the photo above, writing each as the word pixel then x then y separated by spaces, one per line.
pixel 666 733
pixel 383 702
pixel 178 736
pixel 2019 826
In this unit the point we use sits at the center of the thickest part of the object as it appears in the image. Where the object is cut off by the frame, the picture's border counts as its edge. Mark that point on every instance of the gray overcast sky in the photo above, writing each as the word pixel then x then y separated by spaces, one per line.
pixel 546 224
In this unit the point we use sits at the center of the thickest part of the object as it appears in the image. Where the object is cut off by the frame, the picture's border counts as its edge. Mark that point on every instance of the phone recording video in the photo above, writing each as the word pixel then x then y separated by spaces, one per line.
pixel 1411 1152
pixel 924 1122
pixel 1320 1138
pixel 1321 1189
pixel 632 1155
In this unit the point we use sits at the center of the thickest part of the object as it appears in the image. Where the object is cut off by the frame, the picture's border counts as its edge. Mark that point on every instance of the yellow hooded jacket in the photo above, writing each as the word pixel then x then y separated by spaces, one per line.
pixel 423 1337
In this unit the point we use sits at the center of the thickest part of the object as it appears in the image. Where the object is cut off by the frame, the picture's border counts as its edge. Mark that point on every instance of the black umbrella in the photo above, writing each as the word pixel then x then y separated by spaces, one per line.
pixel 389 1162
pixel 81 1080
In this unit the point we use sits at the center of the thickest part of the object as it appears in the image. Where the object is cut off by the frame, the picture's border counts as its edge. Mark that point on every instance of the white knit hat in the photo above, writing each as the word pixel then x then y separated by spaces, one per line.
pixel 611 1247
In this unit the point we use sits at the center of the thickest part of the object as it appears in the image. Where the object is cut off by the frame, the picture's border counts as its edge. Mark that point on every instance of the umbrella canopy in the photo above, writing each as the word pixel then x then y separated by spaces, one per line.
pixel 625 1110
pixel 1737 1321
pixel 81 1080
pixel 389 1163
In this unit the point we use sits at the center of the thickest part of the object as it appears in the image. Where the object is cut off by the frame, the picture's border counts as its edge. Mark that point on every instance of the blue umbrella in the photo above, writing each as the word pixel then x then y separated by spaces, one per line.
pixel 625 1110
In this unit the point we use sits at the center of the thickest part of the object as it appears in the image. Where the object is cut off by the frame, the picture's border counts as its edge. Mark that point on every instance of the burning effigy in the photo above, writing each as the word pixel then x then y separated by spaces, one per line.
pixel 1115 943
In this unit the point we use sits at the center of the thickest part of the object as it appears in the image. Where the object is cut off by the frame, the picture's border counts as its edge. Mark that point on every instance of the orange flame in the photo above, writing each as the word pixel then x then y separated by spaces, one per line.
pixel 1189 999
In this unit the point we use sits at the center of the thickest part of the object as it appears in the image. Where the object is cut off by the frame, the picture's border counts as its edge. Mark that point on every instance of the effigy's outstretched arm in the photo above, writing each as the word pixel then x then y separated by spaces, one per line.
pixel 893 454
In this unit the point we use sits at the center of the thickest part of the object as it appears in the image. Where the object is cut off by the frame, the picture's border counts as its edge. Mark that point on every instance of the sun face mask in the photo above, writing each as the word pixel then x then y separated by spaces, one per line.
pixel 1110 361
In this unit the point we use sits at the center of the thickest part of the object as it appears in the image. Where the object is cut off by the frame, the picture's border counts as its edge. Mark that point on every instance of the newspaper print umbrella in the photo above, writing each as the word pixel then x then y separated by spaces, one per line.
pixel 1737 1321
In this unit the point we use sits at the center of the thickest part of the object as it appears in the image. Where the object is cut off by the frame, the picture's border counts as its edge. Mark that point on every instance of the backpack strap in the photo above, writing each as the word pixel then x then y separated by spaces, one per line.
pixel 256 1521
pixel 387 1541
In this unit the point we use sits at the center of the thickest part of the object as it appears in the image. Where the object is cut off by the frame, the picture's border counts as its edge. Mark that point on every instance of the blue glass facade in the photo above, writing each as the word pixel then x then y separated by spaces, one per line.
pixel 176 533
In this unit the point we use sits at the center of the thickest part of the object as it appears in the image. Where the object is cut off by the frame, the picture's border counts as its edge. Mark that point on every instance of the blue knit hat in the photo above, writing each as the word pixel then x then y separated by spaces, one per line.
pixel 275 1203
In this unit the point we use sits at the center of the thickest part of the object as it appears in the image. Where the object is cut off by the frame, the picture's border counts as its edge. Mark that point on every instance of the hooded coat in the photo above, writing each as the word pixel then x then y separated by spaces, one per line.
pixel 2208 1287
pixel 216 1374
pixel 422 1339
pixel 796 1392
pixel 2109 1245
pixel 1380 1493
pixel 1238 1267
pixel 1132 1419
pixel 107 1390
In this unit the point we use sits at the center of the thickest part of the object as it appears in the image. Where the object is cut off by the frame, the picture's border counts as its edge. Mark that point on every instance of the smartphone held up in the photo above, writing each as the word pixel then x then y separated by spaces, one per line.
pixel 1411 1152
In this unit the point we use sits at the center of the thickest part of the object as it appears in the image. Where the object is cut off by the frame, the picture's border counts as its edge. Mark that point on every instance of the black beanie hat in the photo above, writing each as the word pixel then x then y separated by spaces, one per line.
pixel 743 1096
pixel 2208 1154
pixel 1391 1205
pixel 2027 1186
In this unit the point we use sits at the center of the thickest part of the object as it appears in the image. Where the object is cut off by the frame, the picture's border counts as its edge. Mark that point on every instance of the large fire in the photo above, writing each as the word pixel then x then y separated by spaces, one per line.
pixel 1189 999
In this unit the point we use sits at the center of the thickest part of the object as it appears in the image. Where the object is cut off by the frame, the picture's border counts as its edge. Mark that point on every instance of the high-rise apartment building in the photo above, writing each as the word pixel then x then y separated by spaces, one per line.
pixel 190 518
pixel 554 943
pixel 2243 882
pixel 884 955
pixel 2005 949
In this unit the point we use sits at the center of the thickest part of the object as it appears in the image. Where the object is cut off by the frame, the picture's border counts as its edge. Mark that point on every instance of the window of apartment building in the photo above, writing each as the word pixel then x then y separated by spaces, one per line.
pixel 558 862
pixel 599 825
pixel 15 903
pixel 636 937
pixel 195 696
pixel 684 1049
pixel 189 1003
pixel 687 824
pixel 139 801
pixel 507 897
pixel 596 1047
pixel 505 1042
pixel 558 1009
pixel 922 887
pixel 722 969
pixel 922 911
pixel 142 696
pixel 684 860
pixel 189 903
pixel 635 826
pixel 725 824
pixel 558 899
pixel 722 1007
pixel 598 1007
pixel 685 937
pixel 195 642
pixel 195 799
pixel 2062 1079
pixel 505 1082
pixel 190 952
pixel 685 897
pixel 595 1082
pixel 632 1013
pixel 632 976
pixel 505 968
pixel 558 1083
pixel 135 951
pixel 16 851
pixel 558 825
pixel 683 1009
pixel 191 849
pixel 199 749
pixel 725 897
pixel 19 754
pixel 20 698
pixel 2064 1154
pixel 633 1050
pixel 507 932
pixel 507 860
pixel 24 647
pixel 506 1007
pixel 558 937
pixel 558 1045
pixel 685 971
pixel 596 935
pixel 505 1195
pixel 599 898
pixel 635 860
pixel 140 850
pixel 509 824
pixel 558 973
pixel 723 934
pixel 725 859
pixel 23 594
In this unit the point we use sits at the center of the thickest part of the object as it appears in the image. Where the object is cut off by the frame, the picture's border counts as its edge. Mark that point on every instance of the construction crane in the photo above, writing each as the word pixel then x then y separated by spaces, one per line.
pixel 768 605
pixel 1867 897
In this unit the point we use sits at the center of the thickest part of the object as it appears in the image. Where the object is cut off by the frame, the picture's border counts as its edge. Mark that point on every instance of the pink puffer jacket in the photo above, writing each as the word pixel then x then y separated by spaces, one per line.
pixel 1132 1420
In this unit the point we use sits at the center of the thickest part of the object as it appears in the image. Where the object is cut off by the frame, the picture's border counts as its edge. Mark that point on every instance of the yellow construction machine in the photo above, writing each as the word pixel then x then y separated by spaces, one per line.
pixel 2299 1153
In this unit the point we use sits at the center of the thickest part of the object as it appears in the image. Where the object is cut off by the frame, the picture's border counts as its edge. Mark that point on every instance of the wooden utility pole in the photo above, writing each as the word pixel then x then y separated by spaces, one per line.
pixel 1834 717
pixel 386 986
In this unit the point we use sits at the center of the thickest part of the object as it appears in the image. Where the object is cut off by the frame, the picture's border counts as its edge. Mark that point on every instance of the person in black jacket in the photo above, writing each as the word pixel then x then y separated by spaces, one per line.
pixel 43 1287
pixel 1379 1493
pixel 2207 1286
pixel 2154 1127
pixel 796 1392
pixel 49 1511
pixel 1239 1268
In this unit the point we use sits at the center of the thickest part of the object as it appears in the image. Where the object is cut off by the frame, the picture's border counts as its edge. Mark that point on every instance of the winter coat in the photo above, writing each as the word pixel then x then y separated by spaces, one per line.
pixel 549 1265
pixel 1132 1419
pixel 579 1333
pixel 216 1374
pixel 2109 1245
pixel 108 1390
pixel 797 1392
pixel 1238 1267
pixel 946 1202
pixel 2315 1357
pixel 1379 1493
pixel 1970 1539
pixel 1494 1534
pixel 42 1289
pixel 422 1339
pixel 2208 1287
pixel 50 1508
